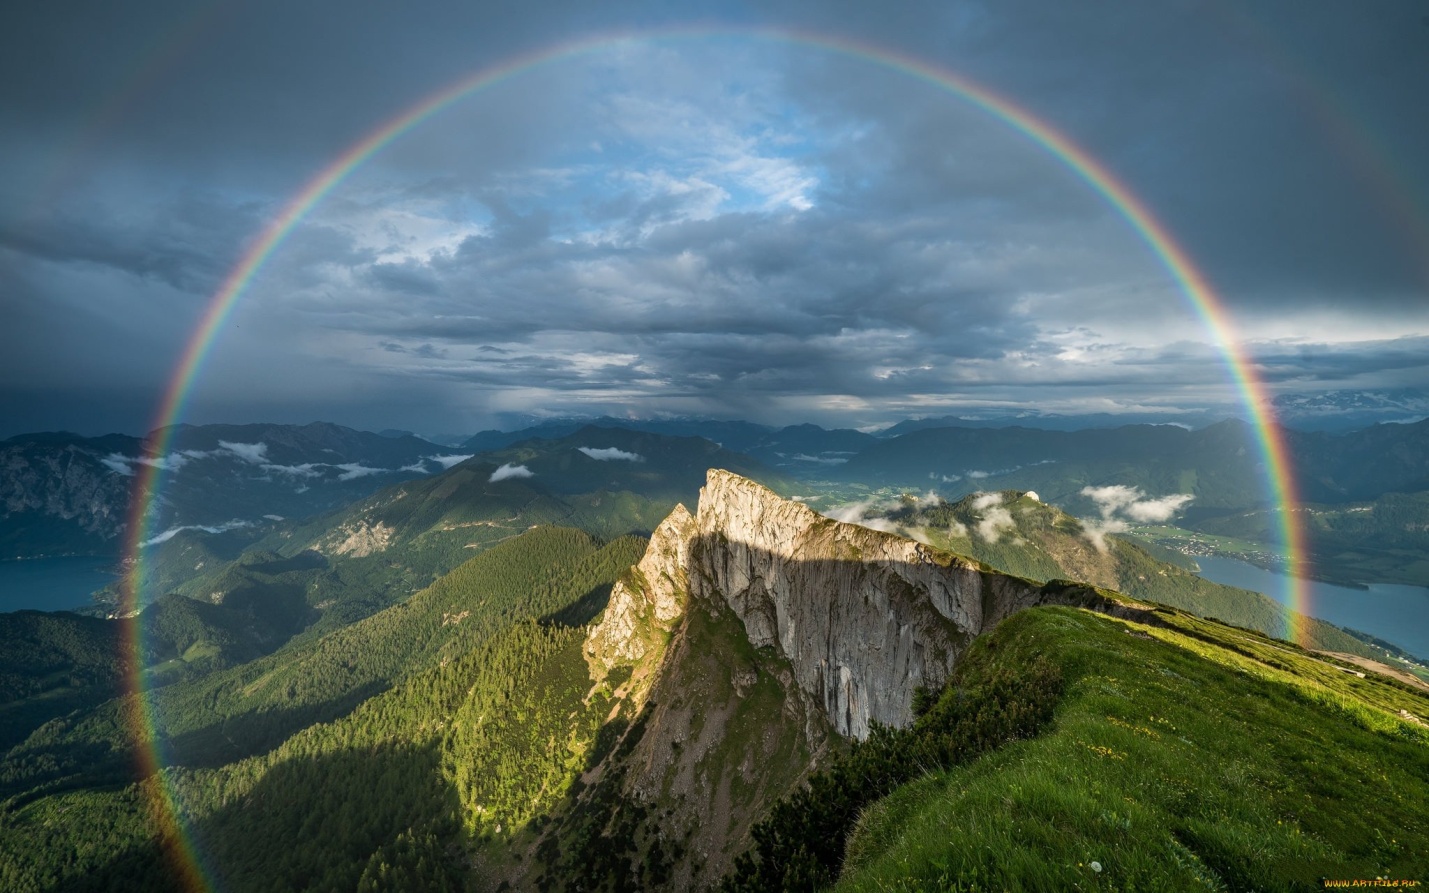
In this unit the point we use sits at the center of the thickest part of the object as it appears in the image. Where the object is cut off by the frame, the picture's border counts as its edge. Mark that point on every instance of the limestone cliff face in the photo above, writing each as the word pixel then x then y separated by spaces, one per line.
pixel 756 634
pixel 861 617
pixel 644 605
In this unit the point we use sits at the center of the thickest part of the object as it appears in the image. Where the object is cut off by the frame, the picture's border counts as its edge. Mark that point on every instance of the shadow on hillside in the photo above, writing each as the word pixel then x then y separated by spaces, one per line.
pixel 312 822
pixel 581 611
pixel 242 736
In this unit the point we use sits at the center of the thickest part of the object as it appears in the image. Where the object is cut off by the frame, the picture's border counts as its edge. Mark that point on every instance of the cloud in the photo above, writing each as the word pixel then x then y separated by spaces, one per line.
pixel 511 471
pixel 865 513
pixel 995 519
pixel 217 528
pixel 743 227
pixel 1130 504
pixel 352 471
pixel 609 454
pixel 1134 504
pixel 448 461
pixel 125 464
pixel 255 453
pixel 986 500
pixel 1096 530
pixel 306 470
pixel 822 459
pixel 120 464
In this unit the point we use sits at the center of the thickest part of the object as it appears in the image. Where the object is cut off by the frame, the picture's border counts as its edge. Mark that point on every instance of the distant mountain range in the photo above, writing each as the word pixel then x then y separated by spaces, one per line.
pixel 65 494
pixel 795 448
pixel 1221 465
pixel 1339 411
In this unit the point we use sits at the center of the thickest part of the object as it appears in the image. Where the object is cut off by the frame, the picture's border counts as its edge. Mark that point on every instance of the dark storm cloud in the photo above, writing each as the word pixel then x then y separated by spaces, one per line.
pixel 1401 361
pixel 187 242
pixel 733 226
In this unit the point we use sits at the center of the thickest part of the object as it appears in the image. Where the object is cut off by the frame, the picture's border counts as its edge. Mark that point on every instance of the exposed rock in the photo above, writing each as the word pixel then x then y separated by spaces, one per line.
pixel 645 603
pixel 862 617
pixel 757 634
pixel 359 539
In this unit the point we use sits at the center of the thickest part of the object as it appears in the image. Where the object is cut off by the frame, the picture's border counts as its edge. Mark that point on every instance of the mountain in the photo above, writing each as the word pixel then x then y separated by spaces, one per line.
pixel 58 496
pixel 1052 421
pixel 1220 464
pixel 1152 752
pixel 1019 534
pixel 324 572
pixel 65 494
pixel 1328 411
pixel 549 716
pixel 808 450
pixel 750 641
pixel 797 449
pixel 734 435
pixel 54 664
pixel 1380 540
pixel 1363 464
pixel 1343 411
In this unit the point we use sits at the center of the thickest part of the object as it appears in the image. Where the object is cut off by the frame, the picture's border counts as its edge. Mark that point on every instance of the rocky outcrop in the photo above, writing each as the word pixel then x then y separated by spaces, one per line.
pixel 862 617
pixel 756 634
pixel 358 539
pixel 645 603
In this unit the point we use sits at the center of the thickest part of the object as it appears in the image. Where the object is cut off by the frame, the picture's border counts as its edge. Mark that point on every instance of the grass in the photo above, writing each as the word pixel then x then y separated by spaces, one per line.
pixel 1193 756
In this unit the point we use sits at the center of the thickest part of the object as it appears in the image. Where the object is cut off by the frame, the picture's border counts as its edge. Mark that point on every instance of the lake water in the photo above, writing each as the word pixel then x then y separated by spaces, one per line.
pixel 52 584
pixel 1395 613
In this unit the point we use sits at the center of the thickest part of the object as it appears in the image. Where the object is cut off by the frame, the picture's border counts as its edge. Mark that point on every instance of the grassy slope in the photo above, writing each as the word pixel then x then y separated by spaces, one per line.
pixel 1198 757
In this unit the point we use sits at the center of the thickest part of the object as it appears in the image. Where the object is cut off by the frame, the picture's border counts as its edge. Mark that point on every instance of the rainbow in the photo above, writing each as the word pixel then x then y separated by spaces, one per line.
pixel 1192 283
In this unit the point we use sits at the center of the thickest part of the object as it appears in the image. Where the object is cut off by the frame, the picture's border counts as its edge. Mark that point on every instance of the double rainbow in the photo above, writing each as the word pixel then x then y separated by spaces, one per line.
pixel 1192 283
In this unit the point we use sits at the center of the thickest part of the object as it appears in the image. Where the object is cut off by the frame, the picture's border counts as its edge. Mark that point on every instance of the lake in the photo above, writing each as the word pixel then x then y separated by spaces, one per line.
pixel 53 584
pixel 1395 613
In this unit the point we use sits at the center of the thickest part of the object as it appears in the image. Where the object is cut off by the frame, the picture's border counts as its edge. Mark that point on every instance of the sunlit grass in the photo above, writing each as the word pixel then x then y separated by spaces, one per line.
pixel 1175 763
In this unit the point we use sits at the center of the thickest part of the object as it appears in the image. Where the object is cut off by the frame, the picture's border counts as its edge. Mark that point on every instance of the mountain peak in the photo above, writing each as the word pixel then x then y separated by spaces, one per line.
pixel 862 617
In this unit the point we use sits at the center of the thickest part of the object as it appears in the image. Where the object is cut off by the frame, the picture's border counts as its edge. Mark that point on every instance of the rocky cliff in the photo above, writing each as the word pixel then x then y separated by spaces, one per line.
pixel 862 617
pixel 751 638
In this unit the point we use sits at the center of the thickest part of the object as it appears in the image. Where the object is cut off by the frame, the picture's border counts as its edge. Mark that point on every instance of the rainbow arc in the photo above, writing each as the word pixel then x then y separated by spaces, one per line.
pixel 1192 283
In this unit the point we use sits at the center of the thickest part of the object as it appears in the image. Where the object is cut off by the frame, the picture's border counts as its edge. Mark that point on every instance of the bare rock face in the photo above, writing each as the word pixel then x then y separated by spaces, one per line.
pixel 645 604
pixel 862 617
pixel 358 539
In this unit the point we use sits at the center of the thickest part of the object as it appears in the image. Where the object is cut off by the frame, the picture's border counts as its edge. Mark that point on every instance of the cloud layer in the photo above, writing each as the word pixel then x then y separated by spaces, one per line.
pixel 734 226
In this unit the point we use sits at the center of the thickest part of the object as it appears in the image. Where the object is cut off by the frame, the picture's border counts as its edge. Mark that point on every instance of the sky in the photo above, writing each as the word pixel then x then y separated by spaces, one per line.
pixel 701 209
